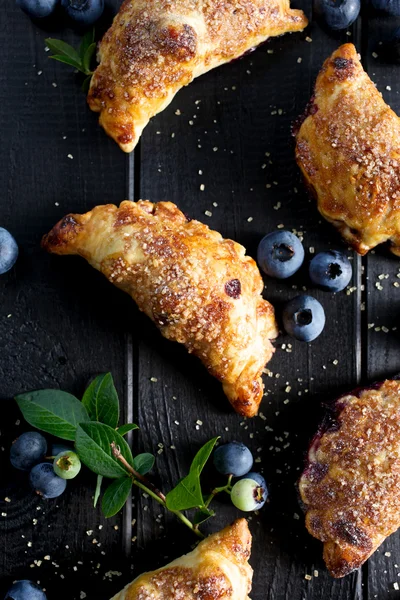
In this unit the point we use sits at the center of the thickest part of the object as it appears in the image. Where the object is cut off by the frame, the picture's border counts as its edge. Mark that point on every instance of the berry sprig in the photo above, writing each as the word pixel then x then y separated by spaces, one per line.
pixel 99 443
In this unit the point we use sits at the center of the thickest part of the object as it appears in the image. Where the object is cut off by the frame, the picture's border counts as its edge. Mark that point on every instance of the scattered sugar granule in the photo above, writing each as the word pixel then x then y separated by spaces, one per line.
pixel 202 187
pixel 308 577
pixel 208 213
pixel 153 379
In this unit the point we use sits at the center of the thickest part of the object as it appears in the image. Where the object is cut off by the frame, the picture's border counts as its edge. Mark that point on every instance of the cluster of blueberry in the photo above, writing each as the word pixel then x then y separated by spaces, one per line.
pixel 280 254
pixel 29 453
pixel 250 491
pixel 84 13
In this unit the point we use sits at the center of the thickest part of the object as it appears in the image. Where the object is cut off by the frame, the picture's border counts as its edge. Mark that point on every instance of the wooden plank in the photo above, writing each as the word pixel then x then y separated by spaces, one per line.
pixel 230 130
pixel 60 322
pixel 381 339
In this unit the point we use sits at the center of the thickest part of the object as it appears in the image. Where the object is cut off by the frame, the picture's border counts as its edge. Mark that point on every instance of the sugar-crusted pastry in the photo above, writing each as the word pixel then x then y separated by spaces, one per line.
pixel 199 289
pixel 155 47
pixel 217 569
pixel 350 488
pixel 348 148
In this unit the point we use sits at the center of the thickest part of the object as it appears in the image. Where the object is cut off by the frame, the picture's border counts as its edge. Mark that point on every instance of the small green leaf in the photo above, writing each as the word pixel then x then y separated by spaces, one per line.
pixel 115 496
pixel 86 84
pixel 202 515
pixel 87 58
pixel 98 489
pixel 93 444
pixel 101 400
pixel 53 411
pixel 124 429
pixel 143 463
pixel 87 41
pixel 187 493
pixel 60 47
pixel 68 61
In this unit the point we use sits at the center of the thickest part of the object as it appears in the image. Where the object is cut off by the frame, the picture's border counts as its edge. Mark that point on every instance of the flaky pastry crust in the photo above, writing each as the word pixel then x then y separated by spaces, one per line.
pixel 217 569
pixel 155 47
pixel 348 148
pixel 199 289
pixel 350 488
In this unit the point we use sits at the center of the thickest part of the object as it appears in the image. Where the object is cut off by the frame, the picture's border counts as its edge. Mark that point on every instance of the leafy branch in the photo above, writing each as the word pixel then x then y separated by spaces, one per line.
pixel 93 425
pixel 80 58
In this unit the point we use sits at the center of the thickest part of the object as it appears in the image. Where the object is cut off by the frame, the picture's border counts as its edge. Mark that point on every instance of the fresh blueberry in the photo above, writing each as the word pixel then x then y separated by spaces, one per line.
pixel 45 482
pixel 248 495
pixel 25 590
pixel 303 318
pixel 8 251
pixel 392 7
pixel 57 448
pixel 280 254
pixel 256 477
pixel 338 14
pixel 28 450
pixel 83 12
pixel 233 458
pixel 67 464
pixel 330 270
pixel 37 9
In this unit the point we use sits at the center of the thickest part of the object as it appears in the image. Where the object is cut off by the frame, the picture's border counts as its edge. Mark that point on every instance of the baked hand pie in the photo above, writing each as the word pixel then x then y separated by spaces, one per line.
pixel 199 289
pixel 155 47
pixel 217 569
pixel 350 488
pixel 348 148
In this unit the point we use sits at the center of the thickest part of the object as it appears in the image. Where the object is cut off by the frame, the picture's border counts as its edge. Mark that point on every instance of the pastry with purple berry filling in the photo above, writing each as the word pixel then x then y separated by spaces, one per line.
pixel 155 47
pixel 348 148
pixel 350 488
pixel 198 288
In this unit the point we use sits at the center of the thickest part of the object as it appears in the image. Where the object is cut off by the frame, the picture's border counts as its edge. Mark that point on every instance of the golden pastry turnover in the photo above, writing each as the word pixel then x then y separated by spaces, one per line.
pixel 155 47
pixel 348 148
pixel 350 488
pixel 217 569
pixel 199 289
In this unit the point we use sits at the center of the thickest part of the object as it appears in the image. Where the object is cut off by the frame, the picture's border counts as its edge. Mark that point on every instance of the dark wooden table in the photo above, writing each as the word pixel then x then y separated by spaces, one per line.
pixel 61 322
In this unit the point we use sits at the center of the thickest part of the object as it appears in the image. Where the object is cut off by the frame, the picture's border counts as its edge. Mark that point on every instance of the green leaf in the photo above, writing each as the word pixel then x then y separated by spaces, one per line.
pixel 143 463
pixel 68 61
pixel 60 47
pixel 124 429
pixel 86 84
pixel 101 400
pixel 115 496
pixel 87 41
pixel 53 411
pixel 98 489
pixel 202 515
pixel 187 493
pixel 87 58
pixel 93 444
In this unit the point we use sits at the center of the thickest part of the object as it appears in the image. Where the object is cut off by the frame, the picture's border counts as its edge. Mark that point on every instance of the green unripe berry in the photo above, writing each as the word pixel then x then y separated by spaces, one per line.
pixel 248 495
pixel 67 464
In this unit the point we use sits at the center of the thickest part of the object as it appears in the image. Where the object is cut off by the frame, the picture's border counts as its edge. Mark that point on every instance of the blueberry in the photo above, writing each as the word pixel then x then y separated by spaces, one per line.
pixel 57 448
pixel 338 14
pixel 392 7
pixel 83 12
pixel 330 270
pixel 248 495
pixel 233 458
pixel 37 9
pixel 28 450
pixel 280 254
pixel 25 590
pixel 257 477
pixel 45 482
pixel 67 464
pixel 8 251
pixel 303 318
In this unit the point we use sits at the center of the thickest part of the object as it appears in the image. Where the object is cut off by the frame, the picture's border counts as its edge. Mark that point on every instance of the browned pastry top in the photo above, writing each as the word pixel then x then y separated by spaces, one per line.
pixel 351 486
pixel 154 47
pixel 348 149
pixel 217 569
pixel 200 289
